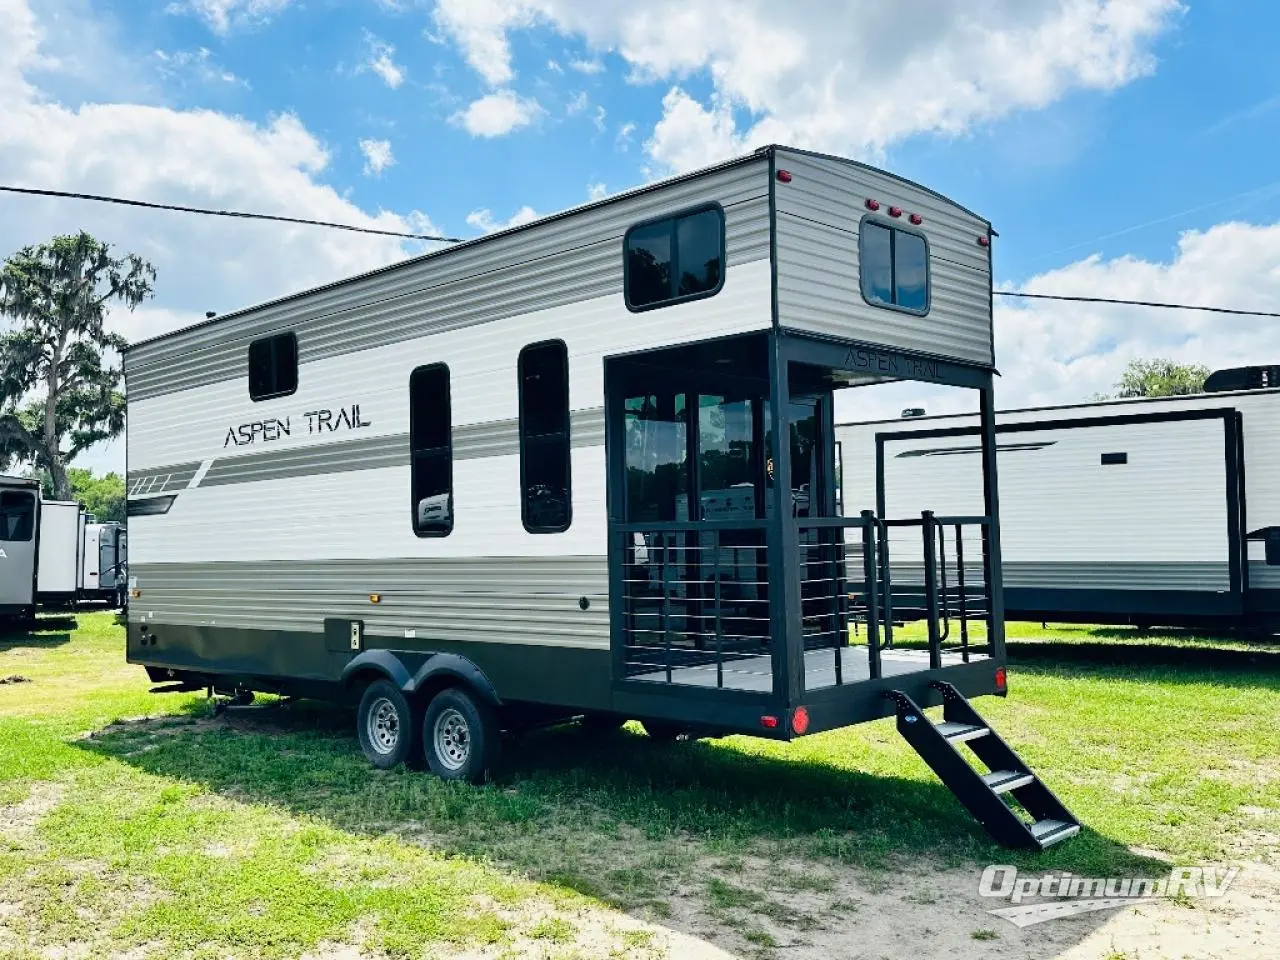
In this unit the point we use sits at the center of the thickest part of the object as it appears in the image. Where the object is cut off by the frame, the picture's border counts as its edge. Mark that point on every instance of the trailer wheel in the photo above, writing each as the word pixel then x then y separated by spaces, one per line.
pixel 461 736
pixel 664 731
pixel 386 725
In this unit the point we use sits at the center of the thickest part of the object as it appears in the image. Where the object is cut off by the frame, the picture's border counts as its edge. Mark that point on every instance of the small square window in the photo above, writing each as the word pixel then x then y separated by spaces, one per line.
pixel 894 265
pixel 675 259
pixel 273 367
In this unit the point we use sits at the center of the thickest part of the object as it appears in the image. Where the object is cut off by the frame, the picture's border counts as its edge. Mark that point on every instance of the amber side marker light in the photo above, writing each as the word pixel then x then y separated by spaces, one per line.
pixel 375 598
pixel 135 594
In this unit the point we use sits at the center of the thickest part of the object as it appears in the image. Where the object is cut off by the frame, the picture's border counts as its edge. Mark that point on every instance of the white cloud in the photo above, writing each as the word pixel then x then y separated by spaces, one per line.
pixel 554 67
pixel 598 119
pixel 592 66
pixel 577 103
pixel 196 64
pixel 845 77
pixel 623 138
pixel 597 191
pixel 1052 352
pixel 222 15
pixel 381 62
pixel 377 156
pixel 190 157
pixel 497 114
pixel 483 220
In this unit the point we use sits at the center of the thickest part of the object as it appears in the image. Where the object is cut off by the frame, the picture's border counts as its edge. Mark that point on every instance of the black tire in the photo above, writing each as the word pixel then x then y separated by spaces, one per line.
pixel 386 725
pixel 599 724
pixel 461 736
pixel 665 731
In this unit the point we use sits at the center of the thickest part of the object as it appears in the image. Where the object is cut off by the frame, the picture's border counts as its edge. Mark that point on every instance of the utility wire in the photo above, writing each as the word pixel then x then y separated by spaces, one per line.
pixel 1136 303
pixel 238 214
pixel 31 191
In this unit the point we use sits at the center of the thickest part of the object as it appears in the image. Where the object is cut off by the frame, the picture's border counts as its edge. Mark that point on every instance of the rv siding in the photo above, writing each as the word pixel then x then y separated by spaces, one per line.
pixel 572 259
pixel 819 285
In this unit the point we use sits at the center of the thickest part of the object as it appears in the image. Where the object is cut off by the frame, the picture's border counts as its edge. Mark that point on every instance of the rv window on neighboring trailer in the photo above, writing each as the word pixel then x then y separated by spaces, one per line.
pixel 676 259
pixel 431 451
pixel 894 265
pixel 17 516
pixel 545 485
pixel 273 367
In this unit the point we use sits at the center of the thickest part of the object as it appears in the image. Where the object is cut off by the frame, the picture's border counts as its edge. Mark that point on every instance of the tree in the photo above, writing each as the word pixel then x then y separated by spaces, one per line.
pixel 60 377
pixel 1161 378
pixel 103 496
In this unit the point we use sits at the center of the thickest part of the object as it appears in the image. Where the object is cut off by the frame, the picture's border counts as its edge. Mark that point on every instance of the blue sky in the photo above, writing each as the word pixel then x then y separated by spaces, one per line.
pixel 1121 147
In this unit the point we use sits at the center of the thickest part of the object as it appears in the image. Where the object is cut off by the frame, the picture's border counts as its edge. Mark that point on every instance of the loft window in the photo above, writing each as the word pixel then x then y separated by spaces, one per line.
pixel 431 451
pixel 273 366
pixel 545 488
pixel 895 267
pixel 674 259
pixel 17 516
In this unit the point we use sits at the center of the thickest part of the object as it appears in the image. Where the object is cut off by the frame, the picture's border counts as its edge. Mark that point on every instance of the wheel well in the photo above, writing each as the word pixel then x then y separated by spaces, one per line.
pixel 443 681
pixel 363 677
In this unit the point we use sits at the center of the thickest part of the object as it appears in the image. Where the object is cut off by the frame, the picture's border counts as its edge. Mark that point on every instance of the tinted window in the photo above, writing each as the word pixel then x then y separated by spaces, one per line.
pixel 657 439
pixel 895 267
pixel 17 516
pixel 431 451
pixel 545 495
pixel 675 259
pixel 273 366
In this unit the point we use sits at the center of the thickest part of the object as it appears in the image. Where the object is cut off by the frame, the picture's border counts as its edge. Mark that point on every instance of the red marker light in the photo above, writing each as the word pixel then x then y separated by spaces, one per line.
pixel 800 720
pixel 873 204
pixel 916 219
pixel 1001 678
pixel 984 241
pixel 784 176
pixel 768 722
pixel 895 211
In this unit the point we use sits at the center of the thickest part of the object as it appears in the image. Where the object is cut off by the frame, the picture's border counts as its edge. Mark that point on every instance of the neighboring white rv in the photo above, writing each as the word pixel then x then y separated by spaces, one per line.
pixel 537 475
pixel 104 562
pixel 19 530
pixel 60 566
pixel 1147 511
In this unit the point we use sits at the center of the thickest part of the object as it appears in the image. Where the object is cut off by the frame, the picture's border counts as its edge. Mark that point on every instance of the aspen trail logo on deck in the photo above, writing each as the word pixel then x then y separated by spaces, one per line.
pixel 1066 895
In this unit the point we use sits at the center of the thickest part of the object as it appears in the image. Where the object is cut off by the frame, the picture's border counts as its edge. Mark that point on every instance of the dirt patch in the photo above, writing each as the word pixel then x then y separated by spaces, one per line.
pixel 18 820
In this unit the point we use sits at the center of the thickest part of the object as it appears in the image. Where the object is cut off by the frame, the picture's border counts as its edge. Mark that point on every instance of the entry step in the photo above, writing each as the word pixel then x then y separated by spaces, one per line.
pixel 1002 781
pixel 960 732
pixel 1048 832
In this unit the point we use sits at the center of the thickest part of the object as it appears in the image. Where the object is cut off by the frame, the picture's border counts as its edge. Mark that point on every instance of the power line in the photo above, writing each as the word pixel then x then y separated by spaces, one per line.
pixel 1136 303
pixel 238 214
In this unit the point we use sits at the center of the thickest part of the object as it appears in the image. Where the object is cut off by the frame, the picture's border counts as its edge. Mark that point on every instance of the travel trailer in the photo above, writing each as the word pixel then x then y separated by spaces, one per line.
pixel 539 476
pixel 104 562
pixel 1154 511
pixel 19 536
pixel 61 552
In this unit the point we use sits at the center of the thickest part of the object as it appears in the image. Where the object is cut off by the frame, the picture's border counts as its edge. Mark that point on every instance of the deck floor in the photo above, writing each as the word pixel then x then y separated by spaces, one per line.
pixel 756 674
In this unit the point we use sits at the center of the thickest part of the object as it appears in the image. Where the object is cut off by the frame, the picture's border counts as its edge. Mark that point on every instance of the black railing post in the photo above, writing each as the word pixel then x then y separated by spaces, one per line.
pixel 964 610
pixel 931 588
pixel 715 539
pixel 992 566
pixel 666 606
pixel 887 583
pixel 870 569
pixel 839 631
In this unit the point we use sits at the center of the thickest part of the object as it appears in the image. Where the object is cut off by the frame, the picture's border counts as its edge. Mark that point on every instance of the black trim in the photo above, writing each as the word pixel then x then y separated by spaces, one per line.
pixel 273 343
pixel 773 234
pixel 149 506
pixel 414 454
pixel 1114 459
pixel 524 436
pixel 894 227
pixel 1164 607
pixel 675 217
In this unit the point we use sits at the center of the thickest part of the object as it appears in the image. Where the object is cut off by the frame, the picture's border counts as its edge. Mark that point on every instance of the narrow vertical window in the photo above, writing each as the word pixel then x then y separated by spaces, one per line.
pixel 546 503
pixel 273 367
pixel 17 516
pixel 431 451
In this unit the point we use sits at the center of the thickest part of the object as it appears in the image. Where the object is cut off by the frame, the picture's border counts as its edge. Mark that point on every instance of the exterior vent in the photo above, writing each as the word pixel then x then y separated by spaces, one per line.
pixel 912 412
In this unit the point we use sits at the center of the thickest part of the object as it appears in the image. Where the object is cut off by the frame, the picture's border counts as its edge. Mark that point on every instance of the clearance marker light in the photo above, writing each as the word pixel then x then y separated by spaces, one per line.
pixel 784 176
pixel 873 205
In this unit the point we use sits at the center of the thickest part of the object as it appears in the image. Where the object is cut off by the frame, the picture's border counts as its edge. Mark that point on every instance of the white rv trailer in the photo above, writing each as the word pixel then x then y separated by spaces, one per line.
pixel 533 476
pixel 60 566
pixel 1146 511
pixel 19 536
pixel 104 562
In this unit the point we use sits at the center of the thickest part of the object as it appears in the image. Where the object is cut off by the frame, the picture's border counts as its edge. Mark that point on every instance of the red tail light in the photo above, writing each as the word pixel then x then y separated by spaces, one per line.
pixel 768 723
pixel 800 720
pixel 1002 679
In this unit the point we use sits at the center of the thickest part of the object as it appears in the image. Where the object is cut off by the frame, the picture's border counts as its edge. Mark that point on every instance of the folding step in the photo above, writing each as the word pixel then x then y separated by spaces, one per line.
pixel 984 794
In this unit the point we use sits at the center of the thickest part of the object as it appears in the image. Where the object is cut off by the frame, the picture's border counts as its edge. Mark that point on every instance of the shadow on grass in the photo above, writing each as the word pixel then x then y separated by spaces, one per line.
pixel 1142 655
pixel 38 639
pixel 582 811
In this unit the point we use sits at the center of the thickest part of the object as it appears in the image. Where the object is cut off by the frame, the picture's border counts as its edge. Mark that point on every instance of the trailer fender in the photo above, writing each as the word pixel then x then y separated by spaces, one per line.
pixel 447 668
pixel 384 663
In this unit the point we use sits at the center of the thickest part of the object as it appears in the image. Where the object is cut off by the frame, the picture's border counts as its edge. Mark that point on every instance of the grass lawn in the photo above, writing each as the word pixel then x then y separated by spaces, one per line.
pixel 267 834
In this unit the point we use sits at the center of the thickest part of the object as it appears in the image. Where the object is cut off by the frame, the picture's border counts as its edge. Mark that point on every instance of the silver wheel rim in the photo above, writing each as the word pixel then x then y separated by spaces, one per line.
pixel 383 726
pixel 452 739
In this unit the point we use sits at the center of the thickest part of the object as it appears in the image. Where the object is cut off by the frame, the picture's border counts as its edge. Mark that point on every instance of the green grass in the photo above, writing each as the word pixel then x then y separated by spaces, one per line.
pixel 269 835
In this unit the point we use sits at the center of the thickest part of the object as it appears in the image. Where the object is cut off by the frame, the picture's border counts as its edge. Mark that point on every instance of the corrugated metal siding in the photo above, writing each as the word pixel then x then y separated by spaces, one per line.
pixel 819 286
pixel 564 261
pixel 495 599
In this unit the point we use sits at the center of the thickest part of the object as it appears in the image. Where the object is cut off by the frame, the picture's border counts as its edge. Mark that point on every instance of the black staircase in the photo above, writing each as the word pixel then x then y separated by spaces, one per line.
pixel 984 794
